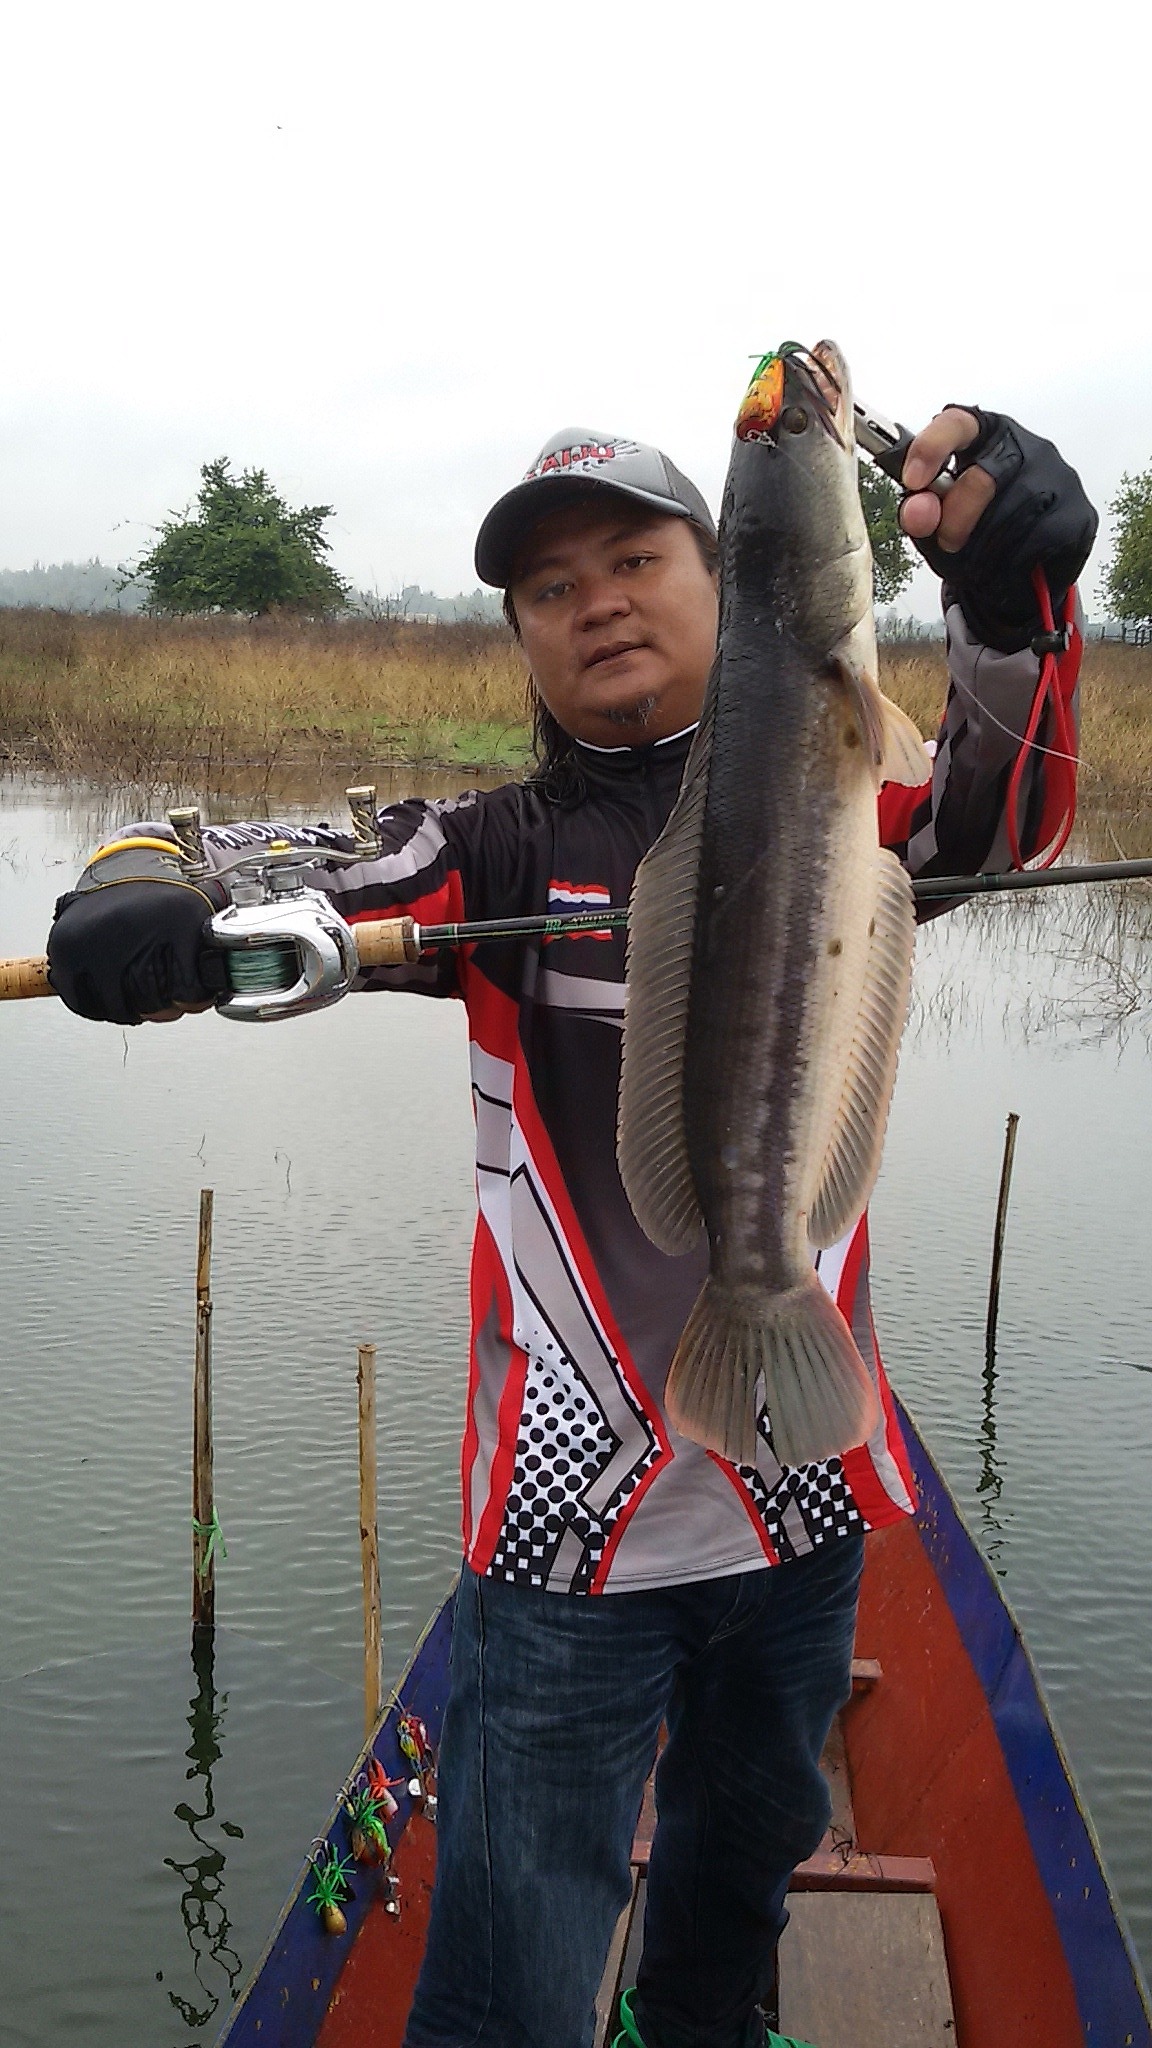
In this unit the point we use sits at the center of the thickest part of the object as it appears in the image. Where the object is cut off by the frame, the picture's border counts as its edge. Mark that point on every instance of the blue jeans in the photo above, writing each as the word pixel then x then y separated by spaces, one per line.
pixel 549 1735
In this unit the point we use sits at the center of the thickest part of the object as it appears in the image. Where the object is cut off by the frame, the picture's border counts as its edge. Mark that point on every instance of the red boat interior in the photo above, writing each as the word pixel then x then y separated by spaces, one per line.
pixel 920 1922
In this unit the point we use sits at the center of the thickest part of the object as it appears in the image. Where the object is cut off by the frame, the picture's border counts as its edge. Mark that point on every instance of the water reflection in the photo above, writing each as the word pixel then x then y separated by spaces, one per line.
pixel 1052 967
pixel 207 1927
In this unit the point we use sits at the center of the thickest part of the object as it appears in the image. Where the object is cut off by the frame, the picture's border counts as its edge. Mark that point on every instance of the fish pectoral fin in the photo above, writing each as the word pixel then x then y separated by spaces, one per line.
pixel 891 740
pixel 906 758
pixel 817 1389
pixel 850 661
pixel 852 1159
pixel 651 1141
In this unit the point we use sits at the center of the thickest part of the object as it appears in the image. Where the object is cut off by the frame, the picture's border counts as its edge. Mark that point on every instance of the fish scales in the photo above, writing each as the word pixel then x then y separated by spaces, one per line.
pixel 761 1030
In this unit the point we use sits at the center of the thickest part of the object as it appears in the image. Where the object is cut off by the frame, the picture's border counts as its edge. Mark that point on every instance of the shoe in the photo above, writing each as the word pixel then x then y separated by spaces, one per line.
pixel 631 2037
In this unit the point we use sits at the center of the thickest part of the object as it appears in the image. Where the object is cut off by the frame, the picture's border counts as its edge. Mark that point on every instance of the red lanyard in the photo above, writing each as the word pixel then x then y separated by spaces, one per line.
pixel 1059 671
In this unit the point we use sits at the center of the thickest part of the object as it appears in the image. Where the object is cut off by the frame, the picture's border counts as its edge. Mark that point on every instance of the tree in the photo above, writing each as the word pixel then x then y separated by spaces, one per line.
pixel 1128 570
pixel 242 550
pixel 892 564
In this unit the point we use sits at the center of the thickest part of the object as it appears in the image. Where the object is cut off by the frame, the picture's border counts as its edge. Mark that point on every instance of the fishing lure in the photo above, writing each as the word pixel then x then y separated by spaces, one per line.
pixel 380 1786
pixel 416 1748
pixel 331 1887
pixel 369 1837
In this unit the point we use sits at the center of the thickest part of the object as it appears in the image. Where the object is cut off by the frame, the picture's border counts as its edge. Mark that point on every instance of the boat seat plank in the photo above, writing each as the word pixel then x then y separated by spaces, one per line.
pixel 614 1981
pixel 865 1970
pixel 841 1836
pixel 835 1868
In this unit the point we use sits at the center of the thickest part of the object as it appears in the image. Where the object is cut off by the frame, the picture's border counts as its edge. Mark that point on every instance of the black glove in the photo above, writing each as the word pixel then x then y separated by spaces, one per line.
pixel 129 940
pixel 1038 517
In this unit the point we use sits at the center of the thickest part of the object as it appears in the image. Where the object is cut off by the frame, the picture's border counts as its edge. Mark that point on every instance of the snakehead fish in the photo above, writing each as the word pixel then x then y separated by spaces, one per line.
pixel 770 942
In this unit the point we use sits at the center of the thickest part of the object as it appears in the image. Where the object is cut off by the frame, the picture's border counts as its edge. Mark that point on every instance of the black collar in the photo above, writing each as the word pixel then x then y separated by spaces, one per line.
pixel 614 767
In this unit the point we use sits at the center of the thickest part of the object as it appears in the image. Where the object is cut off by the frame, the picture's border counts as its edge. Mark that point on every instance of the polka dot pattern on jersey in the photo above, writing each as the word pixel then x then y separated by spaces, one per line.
pixel 563 1446
pixel 819 1494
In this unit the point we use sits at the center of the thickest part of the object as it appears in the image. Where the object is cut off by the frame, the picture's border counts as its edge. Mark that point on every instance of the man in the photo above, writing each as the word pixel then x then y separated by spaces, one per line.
pixel 617 1577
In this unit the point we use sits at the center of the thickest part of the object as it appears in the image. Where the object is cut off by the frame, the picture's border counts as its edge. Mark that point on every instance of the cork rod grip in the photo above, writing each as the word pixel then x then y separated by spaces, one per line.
pixel 386 942
pixel 21 978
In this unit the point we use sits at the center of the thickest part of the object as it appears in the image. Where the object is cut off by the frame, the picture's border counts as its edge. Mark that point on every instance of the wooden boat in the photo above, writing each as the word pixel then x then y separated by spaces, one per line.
pixel 958 1897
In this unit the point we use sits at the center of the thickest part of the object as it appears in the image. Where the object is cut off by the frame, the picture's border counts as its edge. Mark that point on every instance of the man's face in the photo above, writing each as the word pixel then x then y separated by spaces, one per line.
pixel 618 617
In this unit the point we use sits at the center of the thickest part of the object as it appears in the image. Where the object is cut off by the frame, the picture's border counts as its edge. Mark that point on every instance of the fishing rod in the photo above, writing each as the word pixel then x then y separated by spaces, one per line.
pixel 289 951
pixel 925 888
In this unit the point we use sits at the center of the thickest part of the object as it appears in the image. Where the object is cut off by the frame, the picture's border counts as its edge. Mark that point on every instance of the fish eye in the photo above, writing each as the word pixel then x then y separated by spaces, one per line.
pixel 794 419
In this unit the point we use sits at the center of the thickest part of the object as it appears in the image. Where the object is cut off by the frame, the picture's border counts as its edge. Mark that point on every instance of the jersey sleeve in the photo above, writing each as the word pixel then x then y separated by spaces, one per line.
pixel 956 823
pixel 441 860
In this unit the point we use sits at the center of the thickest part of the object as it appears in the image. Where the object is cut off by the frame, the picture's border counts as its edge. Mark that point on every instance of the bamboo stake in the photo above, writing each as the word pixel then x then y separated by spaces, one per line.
pixel 203 1499
pixel 369 1539
pixel 998 1237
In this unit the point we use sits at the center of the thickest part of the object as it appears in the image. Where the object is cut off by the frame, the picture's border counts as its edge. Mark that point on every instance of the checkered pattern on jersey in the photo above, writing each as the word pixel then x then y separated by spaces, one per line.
pixel 806 1505
pixel 563 1446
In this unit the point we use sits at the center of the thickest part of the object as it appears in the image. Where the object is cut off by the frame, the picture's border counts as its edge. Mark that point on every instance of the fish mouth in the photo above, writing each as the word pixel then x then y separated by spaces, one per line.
pixel 792 385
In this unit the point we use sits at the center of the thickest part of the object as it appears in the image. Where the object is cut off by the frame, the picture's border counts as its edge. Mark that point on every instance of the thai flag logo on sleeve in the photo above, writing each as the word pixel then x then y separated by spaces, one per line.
pixel 566 896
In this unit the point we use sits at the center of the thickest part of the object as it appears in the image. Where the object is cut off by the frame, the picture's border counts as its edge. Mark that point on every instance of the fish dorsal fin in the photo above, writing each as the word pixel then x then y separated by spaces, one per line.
pixel 852 1159
pixel 651 1142
pixel 891 741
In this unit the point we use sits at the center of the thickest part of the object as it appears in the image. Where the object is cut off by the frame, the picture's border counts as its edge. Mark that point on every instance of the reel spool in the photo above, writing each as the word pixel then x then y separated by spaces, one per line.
pixel 288 949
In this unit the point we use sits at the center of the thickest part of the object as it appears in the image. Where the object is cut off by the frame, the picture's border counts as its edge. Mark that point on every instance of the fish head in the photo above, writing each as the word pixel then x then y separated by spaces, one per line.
pixel 792 534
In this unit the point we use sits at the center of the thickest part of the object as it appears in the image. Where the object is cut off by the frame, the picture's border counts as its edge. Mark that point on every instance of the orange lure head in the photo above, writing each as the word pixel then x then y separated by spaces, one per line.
pixel 817 376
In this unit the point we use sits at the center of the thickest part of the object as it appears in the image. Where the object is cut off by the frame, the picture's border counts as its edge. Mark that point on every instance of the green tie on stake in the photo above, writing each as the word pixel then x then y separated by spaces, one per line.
pixel 215 1541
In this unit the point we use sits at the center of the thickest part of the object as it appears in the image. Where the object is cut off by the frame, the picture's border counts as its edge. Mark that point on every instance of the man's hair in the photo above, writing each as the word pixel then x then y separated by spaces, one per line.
pixel 558 775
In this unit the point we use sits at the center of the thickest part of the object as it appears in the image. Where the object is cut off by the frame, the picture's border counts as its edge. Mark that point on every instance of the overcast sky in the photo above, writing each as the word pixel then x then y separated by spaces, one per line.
pixel 384 252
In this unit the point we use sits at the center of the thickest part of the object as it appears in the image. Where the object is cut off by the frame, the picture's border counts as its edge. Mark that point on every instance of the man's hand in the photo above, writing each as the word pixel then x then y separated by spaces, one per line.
pixel 1016 506
pixel 129 944
pixel 952 518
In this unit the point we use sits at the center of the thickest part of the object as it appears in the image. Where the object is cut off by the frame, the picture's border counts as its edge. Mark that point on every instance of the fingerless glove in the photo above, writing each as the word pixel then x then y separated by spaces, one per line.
pixel 130 939
pixel 1040 516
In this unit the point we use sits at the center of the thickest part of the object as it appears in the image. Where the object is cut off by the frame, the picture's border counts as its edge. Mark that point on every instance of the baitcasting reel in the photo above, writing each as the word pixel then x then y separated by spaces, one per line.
pixel 288 949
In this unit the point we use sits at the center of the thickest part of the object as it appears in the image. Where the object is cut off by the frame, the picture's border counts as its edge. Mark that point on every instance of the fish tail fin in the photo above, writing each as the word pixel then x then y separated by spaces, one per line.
pixel 817 1388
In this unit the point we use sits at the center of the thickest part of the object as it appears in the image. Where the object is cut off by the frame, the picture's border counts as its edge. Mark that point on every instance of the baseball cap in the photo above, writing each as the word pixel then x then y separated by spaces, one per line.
pixel 575 463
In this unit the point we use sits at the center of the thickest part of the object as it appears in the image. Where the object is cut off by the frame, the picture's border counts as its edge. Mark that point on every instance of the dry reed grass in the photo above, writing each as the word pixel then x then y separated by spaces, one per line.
pixel 208 705
pixel 216 705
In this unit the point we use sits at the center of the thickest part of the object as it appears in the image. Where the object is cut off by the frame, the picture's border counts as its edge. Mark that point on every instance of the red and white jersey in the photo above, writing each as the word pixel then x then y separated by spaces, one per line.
pixel 573 1477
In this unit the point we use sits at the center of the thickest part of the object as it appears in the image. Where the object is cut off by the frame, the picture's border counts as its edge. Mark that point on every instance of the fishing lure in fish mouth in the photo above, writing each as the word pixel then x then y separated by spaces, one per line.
pixel 763 412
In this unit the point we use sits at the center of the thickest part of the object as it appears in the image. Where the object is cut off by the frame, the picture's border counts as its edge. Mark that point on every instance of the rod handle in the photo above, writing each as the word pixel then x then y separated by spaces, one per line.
pixel 22 978
pixel 380 942
pixel 386 942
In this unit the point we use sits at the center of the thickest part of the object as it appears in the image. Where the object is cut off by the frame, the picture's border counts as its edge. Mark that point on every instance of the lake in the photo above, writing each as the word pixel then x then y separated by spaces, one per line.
pixel 153 1815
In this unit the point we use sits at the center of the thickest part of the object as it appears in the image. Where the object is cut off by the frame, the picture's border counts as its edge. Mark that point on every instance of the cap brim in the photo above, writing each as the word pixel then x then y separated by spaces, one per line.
pixel 519 510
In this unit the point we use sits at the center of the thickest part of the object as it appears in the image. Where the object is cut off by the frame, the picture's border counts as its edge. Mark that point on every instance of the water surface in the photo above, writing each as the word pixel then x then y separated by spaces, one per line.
pixel 339 1147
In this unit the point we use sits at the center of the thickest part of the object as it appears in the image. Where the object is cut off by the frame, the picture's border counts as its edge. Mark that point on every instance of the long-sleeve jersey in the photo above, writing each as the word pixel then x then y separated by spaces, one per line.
pixel 574 1479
